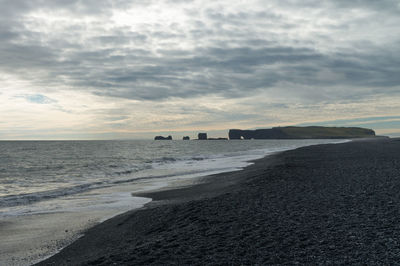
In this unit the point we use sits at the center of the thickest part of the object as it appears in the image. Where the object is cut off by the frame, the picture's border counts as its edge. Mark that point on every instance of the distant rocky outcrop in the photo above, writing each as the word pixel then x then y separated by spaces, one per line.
pixel 202 136
pixel 312 132
pixel 186 138
pixel 162 138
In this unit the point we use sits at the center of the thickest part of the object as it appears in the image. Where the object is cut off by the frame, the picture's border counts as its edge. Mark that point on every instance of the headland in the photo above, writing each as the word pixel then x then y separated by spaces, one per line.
pixel 291 132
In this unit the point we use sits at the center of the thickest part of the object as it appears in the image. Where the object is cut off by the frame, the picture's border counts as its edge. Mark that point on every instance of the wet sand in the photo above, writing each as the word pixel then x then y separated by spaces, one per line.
pixel 323 204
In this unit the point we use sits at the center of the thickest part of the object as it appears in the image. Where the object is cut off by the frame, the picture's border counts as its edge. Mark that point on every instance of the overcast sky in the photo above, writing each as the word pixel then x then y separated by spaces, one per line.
pixel 100 69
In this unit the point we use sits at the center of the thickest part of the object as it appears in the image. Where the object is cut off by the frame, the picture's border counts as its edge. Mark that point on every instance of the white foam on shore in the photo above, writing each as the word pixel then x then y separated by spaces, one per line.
pixel 42 229
pixel 29 238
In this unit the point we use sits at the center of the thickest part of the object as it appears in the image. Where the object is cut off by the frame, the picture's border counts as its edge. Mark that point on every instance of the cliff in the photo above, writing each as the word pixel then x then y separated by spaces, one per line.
pixel 313 132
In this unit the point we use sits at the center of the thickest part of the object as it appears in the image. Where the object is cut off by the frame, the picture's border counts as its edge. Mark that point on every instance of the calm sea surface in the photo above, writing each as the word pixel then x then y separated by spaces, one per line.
pixel 41 181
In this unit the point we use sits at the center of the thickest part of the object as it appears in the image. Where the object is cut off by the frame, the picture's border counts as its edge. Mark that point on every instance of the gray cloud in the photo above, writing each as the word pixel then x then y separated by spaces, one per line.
pixel 231 53
pixel 90 7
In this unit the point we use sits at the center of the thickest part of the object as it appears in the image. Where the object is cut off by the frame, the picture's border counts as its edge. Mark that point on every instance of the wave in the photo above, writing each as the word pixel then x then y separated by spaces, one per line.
pixel 157 168
pixel 179 166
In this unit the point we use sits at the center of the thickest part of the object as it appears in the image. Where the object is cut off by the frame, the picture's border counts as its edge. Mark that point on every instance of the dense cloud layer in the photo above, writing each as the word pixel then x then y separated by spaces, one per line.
pixel 292 52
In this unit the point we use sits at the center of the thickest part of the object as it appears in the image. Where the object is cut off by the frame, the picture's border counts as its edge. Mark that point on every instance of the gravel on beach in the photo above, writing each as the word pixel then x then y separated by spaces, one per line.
pixel 323 204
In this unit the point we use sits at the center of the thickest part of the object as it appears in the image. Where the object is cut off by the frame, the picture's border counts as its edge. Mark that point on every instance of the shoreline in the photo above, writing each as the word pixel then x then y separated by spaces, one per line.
pixel 198 188
pixel 51 231
pixel 192 189
pixel 308 205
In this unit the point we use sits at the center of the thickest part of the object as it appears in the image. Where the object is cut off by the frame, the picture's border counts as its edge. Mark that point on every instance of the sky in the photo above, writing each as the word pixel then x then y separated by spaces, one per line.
pixel 118 69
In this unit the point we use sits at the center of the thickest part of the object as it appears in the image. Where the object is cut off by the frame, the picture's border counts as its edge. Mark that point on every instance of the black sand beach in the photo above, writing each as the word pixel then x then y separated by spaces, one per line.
pixel 324 204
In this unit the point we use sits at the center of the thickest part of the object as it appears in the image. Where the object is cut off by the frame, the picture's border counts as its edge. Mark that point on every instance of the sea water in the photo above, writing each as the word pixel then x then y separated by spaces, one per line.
pixel 51 191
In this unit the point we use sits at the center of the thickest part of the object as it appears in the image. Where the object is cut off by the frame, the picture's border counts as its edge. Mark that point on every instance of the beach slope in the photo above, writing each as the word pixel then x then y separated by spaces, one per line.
pixel 323 204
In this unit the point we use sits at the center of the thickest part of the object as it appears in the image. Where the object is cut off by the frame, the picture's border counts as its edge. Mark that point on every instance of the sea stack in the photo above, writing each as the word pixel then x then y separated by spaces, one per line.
pixel 162 138
pixel 202 136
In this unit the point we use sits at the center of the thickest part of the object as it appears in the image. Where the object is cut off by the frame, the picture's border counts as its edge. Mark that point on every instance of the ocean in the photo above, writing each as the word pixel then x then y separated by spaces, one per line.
pixel 51 191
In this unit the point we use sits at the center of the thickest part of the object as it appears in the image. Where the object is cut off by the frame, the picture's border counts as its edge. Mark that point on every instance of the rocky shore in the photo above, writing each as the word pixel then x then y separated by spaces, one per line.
pixel 324 204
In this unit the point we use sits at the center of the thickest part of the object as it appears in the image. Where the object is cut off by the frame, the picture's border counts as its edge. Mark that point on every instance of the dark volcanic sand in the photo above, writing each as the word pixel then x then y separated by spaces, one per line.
pixel 325 204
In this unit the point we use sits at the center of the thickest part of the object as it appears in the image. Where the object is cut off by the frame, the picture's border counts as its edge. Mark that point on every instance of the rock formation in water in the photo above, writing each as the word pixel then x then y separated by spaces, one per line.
pixel 162 138
pixel 202 136
pixel 312 132
pixel 186 138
